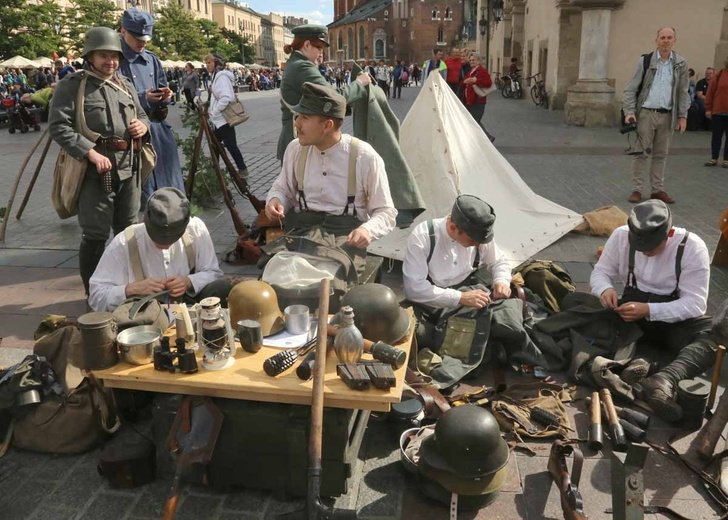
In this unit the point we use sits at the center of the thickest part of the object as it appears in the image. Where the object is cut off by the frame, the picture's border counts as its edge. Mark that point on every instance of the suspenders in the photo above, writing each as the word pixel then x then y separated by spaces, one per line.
pixel 431 235
pixel 632 280
pixel 351 177
pixel 136 260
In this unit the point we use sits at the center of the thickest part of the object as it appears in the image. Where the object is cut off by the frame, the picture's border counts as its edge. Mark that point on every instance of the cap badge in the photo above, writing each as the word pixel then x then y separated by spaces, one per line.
pixel 327 106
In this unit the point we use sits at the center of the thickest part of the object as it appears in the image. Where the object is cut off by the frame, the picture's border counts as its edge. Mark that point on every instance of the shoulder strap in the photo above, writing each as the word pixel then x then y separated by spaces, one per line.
pixel 678 258
pixel 353 152
pixel 646 58
pixel 431 234
pixel 190 251
pixel 631 278
pixel 134 257
pixel 301 166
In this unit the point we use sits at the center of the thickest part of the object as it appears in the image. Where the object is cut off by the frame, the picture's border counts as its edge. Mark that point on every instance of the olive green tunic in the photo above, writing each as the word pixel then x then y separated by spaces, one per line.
pixel 300 70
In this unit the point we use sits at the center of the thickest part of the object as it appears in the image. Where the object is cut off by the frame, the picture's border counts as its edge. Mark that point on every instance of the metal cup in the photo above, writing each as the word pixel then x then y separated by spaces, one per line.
pixel 297 320
pixel 250 335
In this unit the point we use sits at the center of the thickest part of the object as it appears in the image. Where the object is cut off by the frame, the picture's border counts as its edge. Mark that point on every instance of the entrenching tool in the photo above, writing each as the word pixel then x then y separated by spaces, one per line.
pixel 628 488
pixel 619 441
pixel 193 437
pixel 710 432
pixel 315 509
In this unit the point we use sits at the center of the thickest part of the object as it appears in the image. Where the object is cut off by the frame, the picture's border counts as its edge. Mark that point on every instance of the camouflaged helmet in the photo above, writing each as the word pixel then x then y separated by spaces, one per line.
pixel 467 443
pixel 256 300
pixel 377 313
pixel 101 39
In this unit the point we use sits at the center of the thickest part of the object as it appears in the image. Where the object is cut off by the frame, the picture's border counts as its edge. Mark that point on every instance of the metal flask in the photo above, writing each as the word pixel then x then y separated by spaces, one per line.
pixel 348 342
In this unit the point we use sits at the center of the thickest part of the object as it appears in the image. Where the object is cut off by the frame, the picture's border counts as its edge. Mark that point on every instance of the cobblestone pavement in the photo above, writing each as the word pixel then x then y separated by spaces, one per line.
pixel 582 169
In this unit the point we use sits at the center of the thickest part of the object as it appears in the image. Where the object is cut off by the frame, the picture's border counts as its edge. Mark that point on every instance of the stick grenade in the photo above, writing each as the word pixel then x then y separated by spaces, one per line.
pixel 380 351
pixel 595 428
pixel 639 419
pixel 618 438
pixel 710 433
pixel 716 376
pixel 31 185
pixel 14 191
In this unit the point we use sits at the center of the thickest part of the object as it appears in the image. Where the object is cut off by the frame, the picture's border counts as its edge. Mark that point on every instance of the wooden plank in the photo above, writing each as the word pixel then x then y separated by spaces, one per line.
pixel 246 380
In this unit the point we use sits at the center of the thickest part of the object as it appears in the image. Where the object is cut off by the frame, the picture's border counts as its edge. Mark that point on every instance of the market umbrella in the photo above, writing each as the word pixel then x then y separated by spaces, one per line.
pixel 254 66
pixel 18 62
pixel 43 62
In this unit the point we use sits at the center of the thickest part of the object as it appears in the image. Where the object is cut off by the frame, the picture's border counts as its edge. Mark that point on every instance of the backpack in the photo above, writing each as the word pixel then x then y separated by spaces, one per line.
pixel 646 58
pixel 547 280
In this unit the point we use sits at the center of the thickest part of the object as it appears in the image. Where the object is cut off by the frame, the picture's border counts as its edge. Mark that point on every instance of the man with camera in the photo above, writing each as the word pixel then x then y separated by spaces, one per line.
pixel 145 71
pixel 656 99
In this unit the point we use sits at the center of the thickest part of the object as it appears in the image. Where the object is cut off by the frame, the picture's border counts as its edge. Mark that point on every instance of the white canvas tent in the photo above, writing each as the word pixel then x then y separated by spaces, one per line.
pixel 43 62
pixel 449 155
pixel 18 62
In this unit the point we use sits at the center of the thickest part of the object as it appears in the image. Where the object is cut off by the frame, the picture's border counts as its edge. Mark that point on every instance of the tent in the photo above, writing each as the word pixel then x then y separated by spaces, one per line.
pixel 43 62
pixel 254 66
pixel 450 155
pixel 18 62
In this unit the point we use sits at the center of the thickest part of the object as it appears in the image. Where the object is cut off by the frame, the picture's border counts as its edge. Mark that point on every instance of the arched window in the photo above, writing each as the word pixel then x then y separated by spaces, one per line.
pixel 379 48
pixel 351 44
pixel 448 13
pixel 362 39
pixel 440 34
pixel 340 42
pixel 435 14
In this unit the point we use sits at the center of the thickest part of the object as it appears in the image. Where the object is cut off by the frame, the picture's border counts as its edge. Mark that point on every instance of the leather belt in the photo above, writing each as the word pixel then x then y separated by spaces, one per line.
pixel 658 110
pixel 118 145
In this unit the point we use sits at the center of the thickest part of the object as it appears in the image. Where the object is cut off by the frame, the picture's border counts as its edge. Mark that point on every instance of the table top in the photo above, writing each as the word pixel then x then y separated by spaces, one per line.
pixel 247 380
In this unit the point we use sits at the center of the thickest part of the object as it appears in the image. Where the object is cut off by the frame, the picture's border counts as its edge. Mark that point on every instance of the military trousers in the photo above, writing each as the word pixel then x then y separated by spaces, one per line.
pixel 653 133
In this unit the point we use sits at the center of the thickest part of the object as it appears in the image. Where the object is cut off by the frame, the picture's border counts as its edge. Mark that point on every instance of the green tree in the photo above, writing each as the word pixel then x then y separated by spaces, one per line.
pixel 234 44
pixel 84 14
pixel 28 29
pixel 177 35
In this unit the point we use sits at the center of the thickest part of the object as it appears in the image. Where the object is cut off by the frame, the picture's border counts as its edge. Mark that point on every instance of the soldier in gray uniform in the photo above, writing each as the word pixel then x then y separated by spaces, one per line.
pixel 112 119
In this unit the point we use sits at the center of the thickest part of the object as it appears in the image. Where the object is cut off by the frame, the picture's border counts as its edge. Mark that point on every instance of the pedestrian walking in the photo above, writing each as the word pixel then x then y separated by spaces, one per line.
pixel 397 79
pixel 109 196
pixel 190 84
pixel 474 103
pixel 716 108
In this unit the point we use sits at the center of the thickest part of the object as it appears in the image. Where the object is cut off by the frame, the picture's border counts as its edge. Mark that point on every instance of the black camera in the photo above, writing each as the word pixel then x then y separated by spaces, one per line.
pixel 628 127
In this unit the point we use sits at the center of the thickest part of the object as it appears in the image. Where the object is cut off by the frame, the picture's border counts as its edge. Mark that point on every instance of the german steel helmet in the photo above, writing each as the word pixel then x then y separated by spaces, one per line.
pixel 101 39
pixel 256 300
pixel 377 313
pixel 466 443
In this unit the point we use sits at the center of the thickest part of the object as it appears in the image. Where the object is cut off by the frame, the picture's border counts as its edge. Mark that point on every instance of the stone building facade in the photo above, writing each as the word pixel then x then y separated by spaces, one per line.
pixel 587 49
pixel 240 19
pixel 391 30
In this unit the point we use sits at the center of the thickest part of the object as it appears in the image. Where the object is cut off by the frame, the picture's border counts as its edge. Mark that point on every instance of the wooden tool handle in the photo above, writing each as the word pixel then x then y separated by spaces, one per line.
pixel 606 398
pixel 716 375
pixel 596 409
pixel 170 507
pixel 317 401
pixel 710 433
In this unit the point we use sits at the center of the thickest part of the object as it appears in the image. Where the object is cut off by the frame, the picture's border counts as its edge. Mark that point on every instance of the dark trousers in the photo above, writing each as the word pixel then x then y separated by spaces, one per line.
pixel 226 135
pixel 676 336
pixel 720 127
pixel 190 97
pixel 384 86
pixel 397 88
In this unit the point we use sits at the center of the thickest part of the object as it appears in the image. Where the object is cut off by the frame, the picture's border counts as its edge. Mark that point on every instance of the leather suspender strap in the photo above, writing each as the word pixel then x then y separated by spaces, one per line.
pixel 300 174
pixel 631 280
pixel 431 235
pixel 678 259
pixel 189 251
pixel 351 176
pixel 134 257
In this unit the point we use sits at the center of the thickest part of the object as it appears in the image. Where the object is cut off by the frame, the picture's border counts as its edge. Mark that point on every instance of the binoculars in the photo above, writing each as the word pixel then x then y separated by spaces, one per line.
pixel 164 358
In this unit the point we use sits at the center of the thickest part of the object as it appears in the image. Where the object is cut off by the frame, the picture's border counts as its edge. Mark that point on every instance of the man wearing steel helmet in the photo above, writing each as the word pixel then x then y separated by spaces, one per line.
pixel 112 117
pixel 170 250
pixel 145 71
pixel 666 271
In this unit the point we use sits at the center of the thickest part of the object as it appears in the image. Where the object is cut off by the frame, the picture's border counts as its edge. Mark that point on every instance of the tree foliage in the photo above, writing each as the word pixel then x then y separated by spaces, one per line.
pixel 85 14
pixel 28 29
pixel 177 35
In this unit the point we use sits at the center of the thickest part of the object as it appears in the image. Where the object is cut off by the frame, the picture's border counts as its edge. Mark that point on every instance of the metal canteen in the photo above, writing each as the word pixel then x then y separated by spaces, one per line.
pixel 136 344
pixel 348 342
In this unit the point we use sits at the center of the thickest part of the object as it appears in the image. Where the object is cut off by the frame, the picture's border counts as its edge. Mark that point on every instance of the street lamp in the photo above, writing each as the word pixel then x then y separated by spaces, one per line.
pixel 497 11
pixel 482 23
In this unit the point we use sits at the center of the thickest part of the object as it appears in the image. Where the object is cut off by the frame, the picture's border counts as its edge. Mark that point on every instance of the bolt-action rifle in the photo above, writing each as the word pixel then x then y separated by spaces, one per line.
pixel 572 504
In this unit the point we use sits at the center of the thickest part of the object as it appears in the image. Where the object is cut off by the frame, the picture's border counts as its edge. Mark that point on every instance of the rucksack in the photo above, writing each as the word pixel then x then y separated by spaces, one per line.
pixel 547 280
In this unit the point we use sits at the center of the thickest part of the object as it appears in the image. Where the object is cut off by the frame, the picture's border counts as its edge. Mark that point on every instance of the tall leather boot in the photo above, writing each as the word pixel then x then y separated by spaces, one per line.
pixel 89 254
pixel 658 390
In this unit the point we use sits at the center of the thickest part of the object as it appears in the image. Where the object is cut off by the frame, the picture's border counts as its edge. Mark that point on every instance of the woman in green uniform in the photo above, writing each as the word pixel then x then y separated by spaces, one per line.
pixel 106 135
pixel 308 44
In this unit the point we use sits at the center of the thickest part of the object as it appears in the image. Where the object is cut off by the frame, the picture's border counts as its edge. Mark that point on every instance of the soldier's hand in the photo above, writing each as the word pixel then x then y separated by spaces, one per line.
pixel 609 298
pixel 102 163
pixel 137 129
pixel 178 285
pixel 154 97
pixel 630 118
pixel 364 78
pixel 274 210
pixel 633 311
pixel 501 291
pixel 145 287
pixel 477 298
pixel 359 238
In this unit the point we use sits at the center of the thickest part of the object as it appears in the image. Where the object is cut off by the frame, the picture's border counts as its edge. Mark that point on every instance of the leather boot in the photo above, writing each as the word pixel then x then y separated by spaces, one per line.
pixel 89 254
pixel 658 390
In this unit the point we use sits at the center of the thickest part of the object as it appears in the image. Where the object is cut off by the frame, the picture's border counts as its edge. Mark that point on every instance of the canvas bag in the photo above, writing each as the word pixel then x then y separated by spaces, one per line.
pixel 72 423
pixel 234 113
pixel 480 91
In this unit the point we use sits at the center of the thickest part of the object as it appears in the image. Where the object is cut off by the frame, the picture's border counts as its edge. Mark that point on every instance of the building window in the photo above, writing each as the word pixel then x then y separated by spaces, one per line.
pixel 412 35
pixel 412 12
pixel 378 48
pixel 362 39
pixel 440 35
pixel 205 6
pixel 448 13
pixel 404 23
pixel 435 14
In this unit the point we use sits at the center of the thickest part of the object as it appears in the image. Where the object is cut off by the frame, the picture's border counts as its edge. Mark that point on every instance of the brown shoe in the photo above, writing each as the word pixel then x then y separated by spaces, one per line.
pixel 635 197
pixel 663 196
pixel 658 392
pixel 636 371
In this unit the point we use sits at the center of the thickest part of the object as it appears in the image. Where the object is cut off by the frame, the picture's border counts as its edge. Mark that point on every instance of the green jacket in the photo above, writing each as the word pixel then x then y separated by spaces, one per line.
pixel 107 111
pixel 300 70
pixel 42 97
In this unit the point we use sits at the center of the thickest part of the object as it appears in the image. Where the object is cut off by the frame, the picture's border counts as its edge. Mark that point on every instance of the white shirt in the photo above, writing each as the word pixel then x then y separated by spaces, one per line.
pixel 657 274
pixel 451 263
pixel 221 94
pixel 325 184
pixel 660 94
pixel 108 283
pixel 382 73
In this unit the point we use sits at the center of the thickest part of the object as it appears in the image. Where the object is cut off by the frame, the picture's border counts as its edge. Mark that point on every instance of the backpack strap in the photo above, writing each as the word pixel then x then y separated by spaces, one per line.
pixel 678 262
pixel 135 259
pixel 300 174
pixel 189 251
pixel 431 235
pixel 351 177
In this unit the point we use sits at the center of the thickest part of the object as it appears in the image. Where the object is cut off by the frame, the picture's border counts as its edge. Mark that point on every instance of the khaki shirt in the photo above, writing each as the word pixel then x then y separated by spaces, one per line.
pixel 108 111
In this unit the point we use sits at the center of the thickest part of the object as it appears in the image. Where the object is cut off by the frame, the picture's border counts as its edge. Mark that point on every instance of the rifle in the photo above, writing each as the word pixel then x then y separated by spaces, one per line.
pixel 572 504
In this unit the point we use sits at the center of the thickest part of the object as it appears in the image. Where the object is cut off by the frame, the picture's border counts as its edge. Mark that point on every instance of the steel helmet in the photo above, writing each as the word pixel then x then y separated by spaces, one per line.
pixel 466 443
pixel 101 39
pixel 256 300
pixel 377 313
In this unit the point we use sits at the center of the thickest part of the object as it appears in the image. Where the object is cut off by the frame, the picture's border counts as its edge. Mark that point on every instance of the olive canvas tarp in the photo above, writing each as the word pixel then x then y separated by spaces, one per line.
pixel 449 155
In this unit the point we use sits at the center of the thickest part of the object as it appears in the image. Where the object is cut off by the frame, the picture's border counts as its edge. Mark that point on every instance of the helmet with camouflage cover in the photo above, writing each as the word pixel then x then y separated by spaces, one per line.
pixel 101 39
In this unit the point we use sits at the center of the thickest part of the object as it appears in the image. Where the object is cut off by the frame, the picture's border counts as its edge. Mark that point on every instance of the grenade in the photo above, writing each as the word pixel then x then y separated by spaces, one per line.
pixel 348 342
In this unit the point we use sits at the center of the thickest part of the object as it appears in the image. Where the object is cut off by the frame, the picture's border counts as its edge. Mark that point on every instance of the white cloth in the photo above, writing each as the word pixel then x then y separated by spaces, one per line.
pixel 451 263
pixel 657 274
pixel 108 283
pixel 221 94
pixel 326 181
pixel 382 73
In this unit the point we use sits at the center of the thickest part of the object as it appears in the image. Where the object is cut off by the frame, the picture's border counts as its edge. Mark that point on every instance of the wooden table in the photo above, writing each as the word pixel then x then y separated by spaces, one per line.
pixel 246 380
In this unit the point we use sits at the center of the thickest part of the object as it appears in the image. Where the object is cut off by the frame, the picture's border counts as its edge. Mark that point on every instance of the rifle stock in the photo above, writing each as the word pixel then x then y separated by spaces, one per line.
pixel 572 504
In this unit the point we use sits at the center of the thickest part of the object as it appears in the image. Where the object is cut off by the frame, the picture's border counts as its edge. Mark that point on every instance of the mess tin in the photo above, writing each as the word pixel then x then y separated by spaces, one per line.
pixel 297 320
